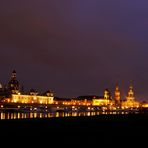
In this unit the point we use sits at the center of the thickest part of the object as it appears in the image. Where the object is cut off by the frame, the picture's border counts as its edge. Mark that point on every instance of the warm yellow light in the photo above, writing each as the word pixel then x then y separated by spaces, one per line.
pixel 34 97
pixel 145 105
pixel 14 100
pixel 41 102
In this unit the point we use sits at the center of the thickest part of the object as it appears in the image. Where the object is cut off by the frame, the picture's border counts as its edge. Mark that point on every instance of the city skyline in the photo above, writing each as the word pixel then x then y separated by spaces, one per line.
pixel 75 47
pixel 14 86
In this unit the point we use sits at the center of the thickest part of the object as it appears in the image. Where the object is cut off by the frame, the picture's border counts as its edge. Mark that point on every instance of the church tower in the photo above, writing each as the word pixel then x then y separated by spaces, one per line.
pixel 13 84
pixel 107 94
pixel 130 95
pixel 117 94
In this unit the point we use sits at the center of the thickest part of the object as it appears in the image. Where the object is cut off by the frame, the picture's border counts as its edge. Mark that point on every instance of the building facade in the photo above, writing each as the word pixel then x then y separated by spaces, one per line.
pixel 12 93
pixel 28 99
pixel 130 101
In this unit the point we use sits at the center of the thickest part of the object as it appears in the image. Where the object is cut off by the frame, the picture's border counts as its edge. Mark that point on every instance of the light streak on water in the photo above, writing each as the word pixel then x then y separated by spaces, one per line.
pixel 23 115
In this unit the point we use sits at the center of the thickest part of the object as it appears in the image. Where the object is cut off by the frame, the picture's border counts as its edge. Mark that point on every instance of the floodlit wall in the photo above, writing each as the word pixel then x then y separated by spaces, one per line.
pixel 31 99
pixel 101 102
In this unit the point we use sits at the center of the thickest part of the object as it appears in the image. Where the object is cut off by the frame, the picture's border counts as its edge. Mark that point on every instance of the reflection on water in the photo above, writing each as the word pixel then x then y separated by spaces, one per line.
pixel 20 115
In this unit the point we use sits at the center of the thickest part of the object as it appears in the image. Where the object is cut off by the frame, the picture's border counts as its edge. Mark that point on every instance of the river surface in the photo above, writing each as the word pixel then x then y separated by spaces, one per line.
pixel 23 115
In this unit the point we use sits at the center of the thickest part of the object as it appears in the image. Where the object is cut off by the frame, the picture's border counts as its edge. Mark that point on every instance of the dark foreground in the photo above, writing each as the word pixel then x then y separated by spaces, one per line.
pixel 82 129
pixel 129 124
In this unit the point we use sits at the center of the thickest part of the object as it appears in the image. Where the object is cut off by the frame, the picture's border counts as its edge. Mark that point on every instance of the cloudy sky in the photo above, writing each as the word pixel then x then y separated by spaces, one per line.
pixel 75 47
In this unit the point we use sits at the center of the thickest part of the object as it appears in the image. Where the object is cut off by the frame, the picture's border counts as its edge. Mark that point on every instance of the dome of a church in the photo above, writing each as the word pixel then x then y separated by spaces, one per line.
pixel 13 84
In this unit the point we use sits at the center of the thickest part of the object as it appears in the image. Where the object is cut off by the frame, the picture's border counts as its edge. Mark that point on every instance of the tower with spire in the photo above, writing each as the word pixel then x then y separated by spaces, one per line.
pixel 107 94
pixel 117 95
pixel 130 95
pixel 130 101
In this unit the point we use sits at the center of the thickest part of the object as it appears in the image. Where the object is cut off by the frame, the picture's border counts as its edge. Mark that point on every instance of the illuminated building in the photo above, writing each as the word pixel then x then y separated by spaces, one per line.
pixel 130 95
pixel 144 105
pixel 12 94
pixel 33 97
pixel 36 99
pixel 81 101
pixel 130 104
pixel 107 94
pixel 130 99
pixel 12 87
pixel 103 101
pixel 62 101
pixel 117 96
pixel 85 100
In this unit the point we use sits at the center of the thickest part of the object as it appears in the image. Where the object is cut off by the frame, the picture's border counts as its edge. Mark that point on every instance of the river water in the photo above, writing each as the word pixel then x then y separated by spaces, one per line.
pixel 23 115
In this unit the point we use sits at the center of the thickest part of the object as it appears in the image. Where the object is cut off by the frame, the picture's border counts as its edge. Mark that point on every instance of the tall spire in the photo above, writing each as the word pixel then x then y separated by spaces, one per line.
pixel 117 93
pixel 130 95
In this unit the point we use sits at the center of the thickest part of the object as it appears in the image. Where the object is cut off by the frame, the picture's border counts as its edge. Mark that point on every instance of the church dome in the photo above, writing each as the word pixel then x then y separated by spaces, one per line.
pixel 13 84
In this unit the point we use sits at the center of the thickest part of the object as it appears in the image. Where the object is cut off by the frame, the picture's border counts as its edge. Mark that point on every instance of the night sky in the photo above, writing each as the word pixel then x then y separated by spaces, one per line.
pixel 75 47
